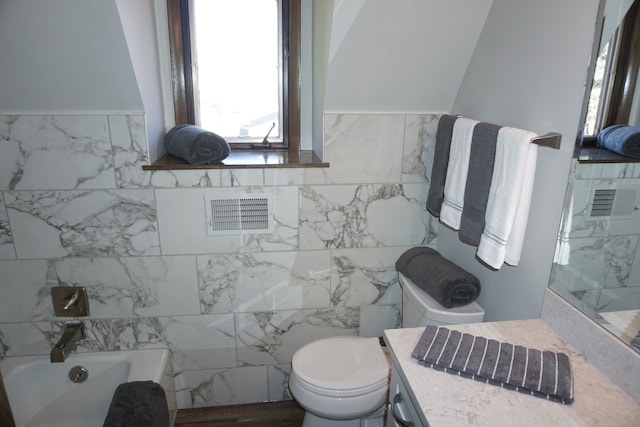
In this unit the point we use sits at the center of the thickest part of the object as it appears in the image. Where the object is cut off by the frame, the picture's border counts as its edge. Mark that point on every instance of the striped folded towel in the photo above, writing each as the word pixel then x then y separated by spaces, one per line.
pixel 544 374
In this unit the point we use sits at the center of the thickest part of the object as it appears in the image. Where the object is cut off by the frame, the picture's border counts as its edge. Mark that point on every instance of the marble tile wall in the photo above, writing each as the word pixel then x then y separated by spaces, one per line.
pixel 77 209
pixel 603 273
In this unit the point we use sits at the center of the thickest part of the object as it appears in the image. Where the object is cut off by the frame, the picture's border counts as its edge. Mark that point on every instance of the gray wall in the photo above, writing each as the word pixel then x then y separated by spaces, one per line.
pixel 528 71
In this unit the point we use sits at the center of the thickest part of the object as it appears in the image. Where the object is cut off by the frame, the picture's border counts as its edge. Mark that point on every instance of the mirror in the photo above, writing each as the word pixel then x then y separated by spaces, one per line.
pixel 596 265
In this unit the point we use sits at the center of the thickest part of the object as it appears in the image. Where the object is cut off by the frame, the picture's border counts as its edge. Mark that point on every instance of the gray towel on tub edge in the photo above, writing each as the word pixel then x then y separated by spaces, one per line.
pixel 544 374
pixel 138 404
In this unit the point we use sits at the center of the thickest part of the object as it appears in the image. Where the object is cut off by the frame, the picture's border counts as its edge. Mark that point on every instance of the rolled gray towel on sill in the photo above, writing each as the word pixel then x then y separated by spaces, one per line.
pixel 544 374
pixel 621 139
pixel 138 404
pixel 443 280
pixel 196 145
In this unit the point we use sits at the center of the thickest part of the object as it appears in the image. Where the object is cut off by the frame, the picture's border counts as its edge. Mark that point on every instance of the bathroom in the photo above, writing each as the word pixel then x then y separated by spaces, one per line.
pixel 77 209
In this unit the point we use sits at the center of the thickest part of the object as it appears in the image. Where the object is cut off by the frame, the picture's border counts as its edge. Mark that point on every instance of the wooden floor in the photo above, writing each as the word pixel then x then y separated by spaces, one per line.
pixel 271 414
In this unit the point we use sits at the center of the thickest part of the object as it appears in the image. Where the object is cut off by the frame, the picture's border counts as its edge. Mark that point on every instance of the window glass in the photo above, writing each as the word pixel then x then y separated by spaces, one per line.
pixel 238 68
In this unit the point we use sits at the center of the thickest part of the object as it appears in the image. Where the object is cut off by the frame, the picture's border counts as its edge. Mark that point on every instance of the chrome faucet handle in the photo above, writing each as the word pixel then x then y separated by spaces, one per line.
pixel 72 300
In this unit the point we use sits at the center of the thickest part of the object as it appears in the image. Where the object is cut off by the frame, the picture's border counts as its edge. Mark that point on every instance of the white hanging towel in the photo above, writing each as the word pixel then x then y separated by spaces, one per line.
pixel 456 179
pixel 509 198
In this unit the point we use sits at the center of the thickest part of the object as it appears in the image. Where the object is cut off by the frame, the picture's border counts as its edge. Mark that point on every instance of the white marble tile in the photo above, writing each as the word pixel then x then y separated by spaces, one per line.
pixel 7 251
pixel 264 281
pixel 182 222
pixel 583 225
pixel 129 140
pixel 233 386
pixel 634 276
pixel 278 376
pixel 217 358
pixel 25 338
pixel 419 144
pixel 374 319
pixel 606 261
pixel 55 152
pixel 181 334
pixel 271 338
pixel 25 296
pixel 607 170
pixel 134 286
pixel 361 148
pixel 365 276
pixel 373 215
pixel 83 223
pixel 619 299
pixel 285 176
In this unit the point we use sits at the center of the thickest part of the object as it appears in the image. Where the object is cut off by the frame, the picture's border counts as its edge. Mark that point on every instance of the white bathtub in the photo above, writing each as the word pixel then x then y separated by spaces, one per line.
pixel 42 395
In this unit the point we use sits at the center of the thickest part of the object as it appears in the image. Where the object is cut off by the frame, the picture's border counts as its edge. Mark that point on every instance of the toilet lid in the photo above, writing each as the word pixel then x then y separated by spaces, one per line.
pixel 342 363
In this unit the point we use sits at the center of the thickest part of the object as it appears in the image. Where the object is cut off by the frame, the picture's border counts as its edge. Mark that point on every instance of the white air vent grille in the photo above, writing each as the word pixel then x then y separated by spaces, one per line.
pixel 615 203
pixel 246 214
pixel 603 202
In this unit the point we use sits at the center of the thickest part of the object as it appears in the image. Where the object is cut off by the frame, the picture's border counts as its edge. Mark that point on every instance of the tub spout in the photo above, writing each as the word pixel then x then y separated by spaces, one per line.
pixel 71 333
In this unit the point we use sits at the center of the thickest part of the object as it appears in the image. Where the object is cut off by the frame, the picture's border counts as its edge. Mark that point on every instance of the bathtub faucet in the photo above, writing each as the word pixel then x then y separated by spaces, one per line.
pixel 71 333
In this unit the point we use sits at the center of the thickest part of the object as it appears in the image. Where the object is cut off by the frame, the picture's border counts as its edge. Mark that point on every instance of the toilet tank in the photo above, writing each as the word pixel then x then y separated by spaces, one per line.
pixel 420 309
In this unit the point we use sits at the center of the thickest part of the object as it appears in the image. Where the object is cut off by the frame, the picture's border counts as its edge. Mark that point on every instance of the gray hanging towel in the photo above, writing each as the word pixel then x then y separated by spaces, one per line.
pixel 476 193
pixel 440 163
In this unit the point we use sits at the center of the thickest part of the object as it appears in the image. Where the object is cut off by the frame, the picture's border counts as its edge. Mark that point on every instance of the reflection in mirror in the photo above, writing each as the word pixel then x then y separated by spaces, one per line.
pixel 613 98
pixel 596 265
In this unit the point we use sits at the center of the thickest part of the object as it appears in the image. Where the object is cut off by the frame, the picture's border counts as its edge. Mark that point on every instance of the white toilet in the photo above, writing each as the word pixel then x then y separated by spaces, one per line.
pixel 343 381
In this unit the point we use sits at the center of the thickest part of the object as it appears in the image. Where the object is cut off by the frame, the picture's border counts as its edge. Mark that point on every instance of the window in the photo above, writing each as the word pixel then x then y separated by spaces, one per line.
pixel 614 98
pixel 235 66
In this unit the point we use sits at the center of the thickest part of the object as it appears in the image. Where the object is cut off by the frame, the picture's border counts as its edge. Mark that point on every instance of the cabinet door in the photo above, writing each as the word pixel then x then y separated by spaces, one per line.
pixel 401 412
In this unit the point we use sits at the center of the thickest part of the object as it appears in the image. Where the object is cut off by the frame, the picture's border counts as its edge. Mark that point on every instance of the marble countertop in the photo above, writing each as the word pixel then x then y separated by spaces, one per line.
pixel 447 400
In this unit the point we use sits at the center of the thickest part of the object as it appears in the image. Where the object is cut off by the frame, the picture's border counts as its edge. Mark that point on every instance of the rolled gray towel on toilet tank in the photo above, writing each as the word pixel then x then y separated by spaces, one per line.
pixel 443 280
pixel 196 145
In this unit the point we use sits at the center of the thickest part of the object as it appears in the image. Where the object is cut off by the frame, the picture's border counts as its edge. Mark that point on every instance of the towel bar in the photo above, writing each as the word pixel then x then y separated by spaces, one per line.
pixel 551 139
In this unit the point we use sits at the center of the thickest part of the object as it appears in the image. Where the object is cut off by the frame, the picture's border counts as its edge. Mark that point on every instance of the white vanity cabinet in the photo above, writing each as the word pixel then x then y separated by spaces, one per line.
pixel 402 410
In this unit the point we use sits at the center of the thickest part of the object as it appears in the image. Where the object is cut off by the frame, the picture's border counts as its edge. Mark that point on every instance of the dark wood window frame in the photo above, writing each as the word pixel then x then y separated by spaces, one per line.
pixel 626 69
pixel 182 78
pixel 619 89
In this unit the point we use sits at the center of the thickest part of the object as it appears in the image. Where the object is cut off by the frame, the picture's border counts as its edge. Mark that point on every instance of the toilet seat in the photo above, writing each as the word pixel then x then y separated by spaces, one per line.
pixel 341 366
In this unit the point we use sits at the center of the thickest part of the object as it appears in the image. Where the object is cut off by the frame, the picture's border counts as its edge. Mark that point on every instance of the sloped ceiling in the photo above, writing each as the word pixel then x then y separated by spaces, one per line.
pixel 385 55
pixel 408 55
pixel 64 56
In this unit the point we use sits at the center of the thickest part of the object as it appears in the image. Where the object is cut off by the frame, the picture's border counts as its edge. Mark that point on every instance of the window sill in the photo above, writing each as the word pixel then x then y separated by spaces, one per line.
pixel 600 155
pixel 245 160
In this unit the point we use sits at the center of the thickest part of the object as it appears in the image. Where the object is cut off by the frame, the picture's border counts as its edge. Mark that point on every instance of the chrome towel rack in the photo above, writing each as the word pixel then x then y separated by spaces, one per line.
pixel 551 139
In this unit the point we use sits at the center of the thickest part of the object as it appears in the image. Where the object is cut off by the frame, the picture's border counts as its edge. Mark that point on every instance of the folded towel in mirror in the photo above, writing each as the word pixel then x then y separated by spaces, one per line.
pixel 544 374
pixel 446 282
pixel 621 139
pixel 196 145
pixel 137 404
